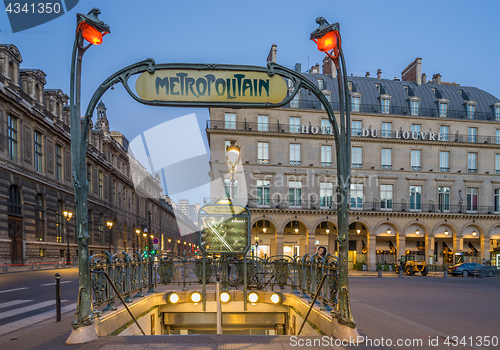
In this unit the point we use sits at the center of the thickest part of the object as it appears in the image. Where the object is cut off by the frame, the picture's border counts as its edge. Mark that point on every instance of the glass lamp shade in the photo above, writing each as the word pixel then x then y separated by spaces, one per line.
pixel 91 34
pixel 328 42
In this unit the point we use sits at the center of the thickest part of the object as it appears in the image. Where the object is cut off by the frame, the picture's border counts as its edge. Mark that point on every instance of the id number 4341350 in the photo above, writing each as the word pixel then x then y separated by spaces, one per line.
pixel 41 7
pixel 480 340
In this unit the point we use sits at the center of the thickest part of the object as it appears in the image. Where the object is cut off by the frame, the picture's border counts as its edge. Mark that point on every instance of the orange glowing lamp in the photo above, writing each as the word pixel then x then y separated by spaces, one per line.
pixel 91 34
pixel 327 37
pixel 328 42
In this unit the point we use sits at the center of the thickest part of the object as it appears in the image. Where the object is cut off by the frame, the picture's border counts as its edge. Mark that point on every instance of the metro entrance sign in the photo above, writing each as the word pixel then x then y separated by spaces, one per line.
pixel 210 85
pixel 224 227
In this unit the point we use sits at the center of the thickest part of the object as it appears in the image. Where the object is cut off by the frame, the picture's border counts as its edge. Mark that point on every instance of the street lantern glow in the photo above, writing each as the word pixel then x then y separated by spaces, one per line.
pixel 446 232
pixel 145 234
pixel 264 230
pixel 358 231
pixel 137 231
pixel 109 224
pixel 327 37
pixel 417 232
pixel 389 230
pixel 173 297
pixel 91 34
pixel 233 155
pixel 474 233
pixel 327 231
pixel 68 215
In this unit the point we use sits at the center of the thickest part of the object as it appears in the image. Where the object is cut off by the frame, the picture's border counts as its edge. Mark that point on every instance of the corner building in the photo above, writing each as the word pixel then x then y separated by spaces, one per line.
pixel 36 183
pixel 424 178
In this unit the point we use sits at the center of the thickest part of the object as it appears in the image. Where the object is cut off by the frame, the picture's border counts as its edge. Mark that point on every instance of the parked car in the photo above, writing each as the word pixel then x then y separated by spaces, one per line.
pixel 464 269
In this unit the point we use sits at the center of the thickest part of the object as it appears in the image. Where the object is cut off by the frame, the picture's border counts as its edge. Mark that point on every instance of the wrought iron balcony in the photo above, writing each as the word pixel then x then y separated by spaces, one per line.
pixel 444 170
pixel 357 165
pixel 472 171
pixel 416 167
pixel 386 167
pixel 263 161
pixel 326 164
pixel 295 162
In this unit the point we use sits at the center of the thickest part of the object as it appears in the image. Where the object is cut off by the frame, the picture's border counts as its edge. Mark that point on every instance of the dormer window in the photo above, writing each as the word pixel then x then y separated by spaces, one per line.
pixel 470 108
pixel 414 105
pixel 349 85
pixel 385 103
pixel 433 90
pixel 355 102
pixel 496 110
pixel 406 88
pixel 442 105
pixel 289 83
pixel 328 96
pixel 378 87
pixel 321 84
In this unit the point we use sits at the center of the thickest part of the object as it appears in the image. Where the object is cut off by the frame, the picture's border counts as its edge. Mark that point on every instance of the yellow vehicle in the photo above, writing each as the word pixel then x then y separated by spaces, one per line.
pixel 410 265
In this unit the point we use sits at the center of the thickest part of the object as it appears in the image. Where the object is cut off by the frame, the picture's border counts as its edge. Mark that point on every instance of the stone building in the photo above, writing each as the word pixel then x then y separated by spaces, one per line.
pixel 425 169
pixel 36 183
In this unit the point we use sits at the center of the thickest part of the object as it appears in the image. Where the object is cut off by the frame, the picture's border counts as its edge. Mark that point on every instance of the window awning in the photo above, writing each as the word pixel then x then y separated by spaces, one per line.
pixel 383 246
pixel 410 246
pixel 475 246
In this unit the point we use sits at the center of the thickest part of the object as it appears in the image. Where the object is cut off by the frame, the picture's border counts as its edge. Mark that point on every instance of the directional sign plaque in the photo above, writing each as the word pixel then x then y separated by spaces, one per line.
pixel 224 227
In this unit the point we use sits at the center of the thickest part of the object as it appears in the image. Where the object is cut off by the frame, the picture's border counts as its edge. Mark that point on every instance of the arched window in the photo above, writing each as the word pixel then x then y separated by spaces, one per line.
pixel 14 200
pixel 39 217
pixel 59 222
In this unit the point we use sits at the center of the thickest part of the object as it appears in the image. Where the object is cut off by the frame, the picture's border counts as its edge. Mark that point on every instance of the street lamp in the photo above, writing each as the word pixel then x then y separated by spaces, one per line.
pixel 232 160
pixel 138 234
pixel 327 37
pixel 169 246
pixel 85 313
pixel 474 233
pixel 110 238
pixel 417 231
pixel 68 215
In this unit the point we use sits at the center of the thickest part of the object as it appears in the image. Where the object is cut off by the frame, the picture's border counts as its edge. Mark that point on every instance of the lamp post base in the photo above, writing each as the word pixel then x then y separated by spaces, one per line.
pixel 83 335
pixel 347 333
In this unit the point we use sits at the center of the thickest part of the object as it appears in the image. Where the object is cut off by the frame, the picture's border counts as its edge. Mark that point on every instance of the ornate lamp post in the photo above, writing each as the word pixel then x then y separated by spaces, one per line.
pixel 92 29
pixel 68 215
pixel 232 160
pixel 110 238
pixel 170 246
pixel 327 37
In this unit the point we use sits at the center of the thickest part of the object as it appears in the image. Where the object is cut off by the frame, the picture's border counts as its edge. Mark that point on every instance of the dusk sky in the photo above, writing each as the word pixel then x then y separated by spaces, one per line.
pixel 459 39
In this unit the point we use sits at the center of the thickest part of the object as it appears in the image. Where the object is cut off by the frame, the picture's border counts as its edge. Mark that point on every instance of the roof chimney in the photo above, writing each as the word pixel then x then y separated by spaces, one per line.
pixel 298 67
pixel 379 74
pixel 314 69
pixel 367 75
pixel 272 54
pixel 413 71
pixel 436 78
pixel 424 78
pixel 329 67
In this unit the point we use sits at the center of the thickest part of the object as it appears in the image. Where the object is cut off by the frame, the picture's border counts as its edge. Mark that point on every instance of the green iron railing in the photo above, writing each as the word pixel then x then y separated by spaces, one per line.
pixel 129 273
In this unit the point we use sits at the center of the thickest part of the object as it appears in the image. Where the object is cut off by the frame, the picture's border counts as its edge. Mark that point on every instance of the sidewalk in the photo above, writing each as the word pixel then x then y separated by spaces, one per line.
pixel 7 268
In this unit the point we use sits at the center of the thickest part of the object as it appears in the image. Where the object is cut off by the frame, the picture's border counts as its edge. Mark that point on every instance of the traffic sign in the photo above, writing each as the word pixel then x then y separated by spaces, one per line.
pixel 156 245
pixel 155 241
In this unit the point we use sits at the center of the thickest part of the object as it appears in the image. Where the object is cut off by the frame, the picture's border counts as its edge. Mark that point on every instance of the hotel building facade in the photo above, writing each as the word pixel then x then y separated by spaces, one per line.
pixel 425 174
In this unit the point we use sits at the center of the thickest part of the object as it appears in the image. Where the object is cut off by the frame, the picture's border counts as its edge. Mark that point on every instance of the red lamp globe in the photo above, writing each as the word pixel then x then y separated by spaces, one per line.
pixel 91 34
pixel 327 42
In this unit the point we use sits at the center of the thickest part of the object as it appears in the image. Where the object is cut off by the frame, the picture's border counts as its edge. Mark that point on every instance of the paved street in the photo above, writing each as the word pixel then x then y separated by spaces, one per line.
pixel 28 297
pixel 411 309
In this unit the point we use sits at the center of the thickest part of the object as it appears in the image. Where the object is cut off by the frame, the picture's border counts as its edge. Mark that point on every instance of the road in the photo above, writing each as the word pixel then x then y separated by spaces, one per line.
pixel 28 296
pixel 426 308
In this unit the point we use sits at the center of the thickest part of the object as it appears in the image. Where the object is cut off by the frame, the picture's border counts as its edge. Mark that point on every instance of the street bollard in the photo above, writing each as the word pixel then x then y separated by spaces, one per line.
pixel 400 274
pixel 5 268
pixel 57 265
pixel 379 273
pixel 39 265
pixel 58 297
pixel 445 274
pixel 30 266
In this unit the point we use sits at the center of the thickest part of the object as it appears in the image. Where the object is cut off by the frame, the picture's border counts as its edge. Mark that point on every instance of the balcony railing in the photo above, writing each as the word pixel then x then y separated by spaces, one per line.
pixel 263 161
pixel 444 170
pixel 326 164
pixel 278 127
pixel 357 165
pixel 386 167
pixel 403 206
pixel 472 171
pixel 295 162
pixel 416 167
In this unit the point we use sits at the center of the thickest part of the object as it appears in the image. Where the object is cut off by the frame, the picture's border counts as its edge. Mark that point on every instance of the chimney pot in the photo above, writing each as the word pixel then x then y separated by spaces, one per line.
pixel 379 74
pixel 367 75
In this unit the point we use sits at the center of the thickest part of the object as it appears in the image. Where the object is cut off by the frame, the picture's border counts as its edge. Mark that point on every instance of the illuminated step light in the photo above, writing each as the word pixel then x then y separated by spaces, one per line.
pixel 225 297
pixel 173 297
pixel 276 298
pixel 195 297
pixel 253 297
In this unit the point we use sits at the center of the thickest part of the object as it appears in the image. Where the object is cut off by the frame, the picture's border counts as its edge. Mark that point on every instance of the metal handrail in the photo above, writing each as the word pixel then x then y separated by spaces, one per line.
pixel 314 300
pixel 120 296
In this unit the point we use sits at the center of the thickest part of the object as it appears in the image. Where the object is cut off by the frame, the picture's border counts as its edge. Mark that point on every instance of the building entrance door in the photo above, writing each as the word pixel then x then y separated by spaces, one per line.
pixel 16 239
